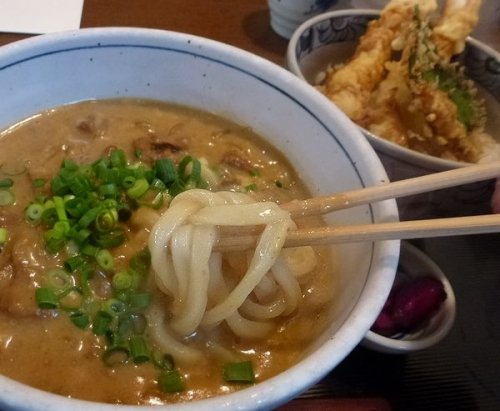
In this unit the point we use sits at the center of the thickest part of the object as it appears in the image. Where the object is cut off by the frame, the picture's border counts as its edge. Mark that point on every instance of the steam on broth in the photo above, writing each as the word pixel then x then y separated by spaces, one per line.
pixel 85 314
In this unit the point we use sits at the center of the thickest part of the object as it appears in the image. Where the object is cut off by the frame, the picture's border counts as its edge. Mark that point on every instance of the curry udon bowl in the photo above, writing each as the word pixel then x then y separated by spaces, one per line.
pixel 330 39
pixel 328 152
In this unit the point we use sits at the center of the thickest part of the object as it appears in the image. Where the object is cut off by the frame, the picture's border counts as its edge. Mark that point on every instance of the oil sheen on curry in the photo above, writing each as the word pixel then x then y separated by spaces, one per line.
pixel 110 290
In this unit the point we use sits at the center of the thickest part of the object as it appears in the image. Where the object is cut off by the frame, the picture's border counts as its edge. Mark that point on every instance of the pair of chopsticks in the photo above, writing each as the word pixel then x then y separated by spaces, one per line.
pixel 383 231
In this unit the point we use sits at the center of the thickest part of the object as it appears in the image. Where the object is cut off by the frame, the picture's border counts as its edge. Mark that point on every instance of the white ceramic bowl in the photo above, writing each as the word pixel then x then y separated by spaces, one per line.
pixel 55 69
pixel 330 38
pixel 415 263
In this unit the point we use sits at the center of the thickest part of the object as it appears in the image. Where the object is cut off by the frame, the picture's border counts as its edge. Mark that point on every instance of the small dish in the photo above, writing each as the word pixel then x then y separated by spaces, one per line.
pixel 415 263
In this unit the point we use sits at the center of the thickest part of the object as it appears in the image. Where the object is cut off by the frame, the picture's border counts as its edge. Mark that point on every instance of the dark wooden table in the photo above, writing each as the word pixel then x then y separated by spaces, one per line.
pixel 460 373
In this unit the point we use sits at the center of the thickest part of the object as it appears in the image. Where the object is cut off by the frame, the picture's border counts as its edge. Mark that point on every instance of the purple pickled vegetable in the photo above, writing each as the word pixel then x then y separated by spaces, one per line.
pixel 416 301
pixel 410 306
pixel 385 325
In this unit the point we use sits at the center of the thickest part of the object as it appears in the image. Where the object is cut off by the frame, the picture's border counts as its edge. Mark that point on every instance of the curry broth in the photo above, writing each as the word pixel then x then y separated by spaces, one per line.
pixel 44 349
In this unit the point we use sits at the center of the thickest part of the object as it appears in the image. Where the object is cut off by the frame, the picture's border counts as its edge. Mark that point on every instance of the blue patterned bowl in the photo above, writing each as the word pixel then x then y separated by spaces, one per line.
pixel 330 38
pixel 46 71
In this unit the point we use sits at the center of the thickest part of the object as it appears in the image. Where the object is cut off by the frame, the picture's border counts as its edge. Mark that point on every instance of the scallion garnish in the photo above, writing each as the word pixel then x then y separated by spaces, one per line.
pixel 7 197
pixel 102 322
pixel 138 349
pixel 105 259
pixel 251 187
pixel 4 235
pixel 6 183
pixel 34 212
pixel 58 280
pixel 82 219
pixel 239 372
pixel 46 298
pixel 140 300
pixel 171 381
pixel 115 355
pixel 80 319
pixel 73 263
pixel 138 189
pixel 39 182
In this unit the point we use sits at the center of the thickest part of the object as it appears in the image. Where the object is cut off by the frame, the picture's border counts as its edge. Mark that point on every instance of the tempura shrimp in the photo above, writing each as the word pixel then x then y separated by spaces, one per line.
pixel 350 85
pixel 458 19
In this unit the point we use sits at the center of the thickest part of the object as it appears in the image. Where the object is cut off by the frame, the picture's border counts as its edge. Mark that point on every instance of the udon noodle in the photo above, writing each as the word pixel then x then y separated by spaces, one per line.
pixel 188 269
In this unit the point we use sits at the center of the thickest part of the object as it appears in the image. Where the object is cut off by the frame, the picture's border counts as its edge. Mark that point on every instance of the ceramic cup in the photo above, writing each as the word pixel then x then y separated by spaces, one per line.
pixel 287 15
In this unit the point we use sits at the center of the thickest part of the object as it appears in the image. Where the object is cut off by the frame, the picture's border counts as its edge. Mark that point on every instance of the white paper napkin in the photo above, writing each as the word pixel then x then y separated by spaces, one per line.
pixel 39 16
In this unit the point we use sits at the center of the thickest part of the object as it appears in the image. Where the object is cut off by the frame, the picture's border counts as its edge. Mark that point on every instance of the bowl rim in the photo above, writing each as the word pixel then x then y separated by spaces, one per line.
pixel 317 364
pixel 389 345
pixel 389 148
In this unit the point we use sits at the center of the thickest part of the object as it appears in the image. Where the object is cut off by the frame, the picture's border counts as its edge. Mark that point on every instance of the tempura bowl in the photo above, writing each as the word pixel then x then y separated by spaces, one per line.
pixel 331 38
pixel 328 151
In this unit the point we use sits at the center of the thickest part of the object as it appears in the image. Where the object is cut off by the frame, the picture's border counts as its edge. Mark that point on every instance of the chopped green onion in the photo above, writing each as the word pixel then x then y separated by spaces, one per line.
pixel 114 306
pixel 139 349
pixel 171 381
pixel 79 236
pixel 6 183
pixel 157 185
pixel 108 190
pixel 110 239
pixel 34 212
pixel 39 182
pixel 166 362
pixel 46 298
pixel 118 159
pixel 278 184
pixel 140 300
pixel 139 188
pixel 60 208
pixel 105 259
pixel 122 280
pixel 102 322
pixel 80 319
pixel 239 372
pixel 128 182
pixel 141 262
pixel 89 217
pixel 4 235
pixel 49 216
pixel 251 187
pixel 166 170
pixel 85 276
pixel 89 249
pixel 106 220
pixel 59 279
pixel 7 197
pixel 116 355
pixel 74 263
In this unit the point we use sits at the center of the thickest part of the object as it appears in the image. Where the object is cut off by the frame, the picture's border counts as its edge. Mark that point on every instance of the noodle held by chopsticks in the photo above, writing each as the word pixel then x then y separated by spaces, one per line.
pixel 204 294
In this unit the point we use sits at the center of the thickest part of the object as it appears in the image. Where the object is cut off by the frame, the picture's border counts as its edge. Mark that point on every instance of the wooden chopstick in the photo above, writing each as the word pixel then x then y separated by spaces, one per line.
pixel 430 182
pixel 382 231
pixel 401 230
